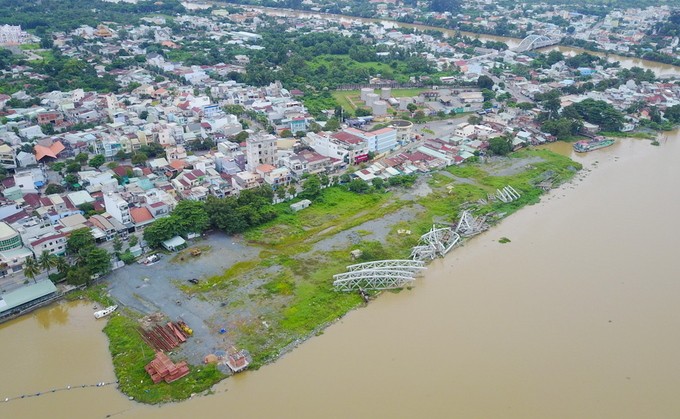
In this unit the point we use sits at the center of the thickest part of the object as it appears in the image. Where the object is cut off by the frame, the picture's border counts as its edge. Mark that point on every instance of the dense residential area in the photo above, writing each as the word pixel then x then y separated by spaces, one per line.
pixel 106 128
pixel 175 129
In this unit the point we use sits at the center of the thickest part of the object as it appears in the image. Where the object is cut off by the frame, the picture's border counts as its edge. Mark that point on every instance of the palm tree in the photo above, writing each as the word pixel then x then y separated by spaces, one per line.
pixel 47 261
pixel 31 269
pixel 61 264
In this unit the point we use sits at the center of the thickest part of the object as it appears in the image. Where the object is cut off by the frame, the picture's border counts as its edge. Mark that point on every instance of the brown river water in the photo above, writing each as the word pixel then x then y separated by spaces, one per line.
pixel 576 317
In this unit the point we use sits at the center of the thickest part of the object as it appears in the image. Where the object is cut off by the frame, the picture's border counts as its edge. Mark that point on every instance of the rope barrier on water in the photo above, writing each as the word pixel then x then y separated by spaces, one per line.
pixel 54 390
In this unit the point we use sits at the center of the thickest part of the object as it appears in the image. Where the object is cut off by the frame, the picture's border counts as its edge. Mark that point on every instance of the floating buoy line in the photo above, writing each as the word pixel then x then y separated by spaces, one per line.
pixel 54 390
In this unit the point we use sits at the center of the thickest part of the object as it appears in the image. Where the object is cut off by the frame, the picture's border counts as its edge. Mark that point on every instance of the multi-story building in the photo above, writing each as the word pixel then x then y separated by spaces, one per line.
pixel 260 149
pixel 7 157
pixel 379 141
pixel 53 243
pixel 118 208
pixel 341 145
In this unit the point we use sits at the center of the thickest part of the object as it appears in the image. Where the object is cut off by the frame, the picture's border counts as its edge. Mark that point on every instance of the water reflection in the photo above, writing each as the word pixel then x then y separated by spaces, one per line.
pixel 57 313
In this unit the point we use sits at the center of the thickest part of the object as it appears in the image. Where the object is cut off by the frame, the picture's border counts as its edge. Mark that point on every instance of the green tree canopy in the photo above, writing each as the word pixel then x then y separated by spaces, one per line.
pixel 192 216
pixel 79 240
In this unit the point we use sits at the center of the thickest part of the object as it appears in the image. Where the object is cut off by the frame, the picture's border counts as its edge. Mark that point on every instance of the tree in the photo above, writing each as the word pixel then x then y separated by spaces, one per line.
pixel 500 146
pixel 161 230
pixel 98 261
pixel 61 264
pixel 121 155
pixel 359 186
pixel 117 245
pixel 133 240
pixel 31 269
pixel 73 167
pixel 411 107
pixel 79 275
pixel 281 193
pixel 286 133
pixel 474 119
pixel 79 240
pixel 81 158
pixel 53 188
pixel 419 117
pixel 562 128
pixel 311 188
pixel 378 183
pixel 143 115
pixel 47 261
pixel 139 158
pixel 488 95
pixel 332 124
pixel 71 179
pixel 192 216
pixel 97 160
pixel 673 114
pixel 485 82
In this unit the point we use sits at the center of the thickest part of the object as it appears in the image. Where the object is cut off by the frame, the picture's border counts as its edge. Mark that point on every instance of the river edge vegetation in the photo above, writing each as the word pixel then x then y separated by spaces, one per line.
pixel 292 277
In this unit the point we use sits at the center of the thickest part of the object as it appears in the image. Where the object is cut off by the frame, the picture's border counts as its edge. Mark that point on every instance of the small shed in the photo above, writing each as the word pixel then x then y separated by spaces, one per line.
pixel 300 205
pixel 174 244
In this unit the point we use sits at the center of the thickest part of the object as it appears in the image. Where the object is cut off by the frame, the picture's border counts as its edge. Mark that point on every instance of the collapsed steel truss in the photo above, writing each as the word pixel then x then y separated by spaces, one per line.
pixel 436 242
pixel 507 194
pixel 397 264
pixel 469 225
pixel 372 279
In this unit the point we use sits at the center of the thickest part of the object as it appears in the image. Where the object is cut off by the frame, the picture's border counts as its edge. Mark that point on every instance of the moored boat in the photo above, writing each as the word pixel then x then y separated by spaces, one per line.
pixel 584 146
pixel 103 313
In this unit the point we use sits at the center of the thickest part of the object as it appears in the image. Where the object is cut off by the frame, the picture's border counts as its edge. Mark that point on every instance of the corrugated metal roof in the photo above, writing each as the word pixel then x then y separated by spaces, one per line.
pixel 26 294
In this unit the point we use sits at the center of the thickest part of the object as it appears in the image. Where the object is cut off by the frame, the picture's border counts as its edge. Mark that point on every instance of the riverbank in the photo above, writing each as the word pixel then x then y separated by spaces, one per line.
pixel 573 318
pixel 272 289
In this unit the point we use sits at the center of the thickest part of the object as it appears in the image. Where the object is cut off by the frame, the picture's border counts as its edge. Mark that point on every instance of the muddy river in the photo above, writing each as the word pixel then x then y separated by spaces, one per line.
pixel 576 317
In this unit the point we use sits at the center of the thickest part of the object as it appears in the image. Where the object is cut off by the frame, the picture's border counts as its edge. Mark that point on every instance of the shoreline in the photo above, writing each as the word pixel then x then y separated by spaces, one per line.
pixel 514 167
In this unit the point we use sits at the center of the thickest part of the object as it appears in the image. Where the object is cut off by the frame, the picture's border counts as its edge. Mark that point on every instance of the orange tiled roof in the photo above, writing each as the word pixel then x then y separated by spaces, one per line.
pixel 51 151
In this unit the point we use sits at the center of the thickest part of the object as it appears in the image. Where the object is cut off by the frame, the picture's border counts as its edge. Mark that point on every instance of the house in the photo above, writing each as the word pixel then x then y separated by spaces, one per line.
pixel 49 152
pixel 54 243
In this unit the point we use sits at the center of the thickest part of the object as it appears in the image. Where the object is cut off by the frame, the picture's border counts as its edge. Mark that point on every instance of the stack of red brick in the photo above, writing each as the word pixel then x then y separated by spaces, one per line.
pixel 163 369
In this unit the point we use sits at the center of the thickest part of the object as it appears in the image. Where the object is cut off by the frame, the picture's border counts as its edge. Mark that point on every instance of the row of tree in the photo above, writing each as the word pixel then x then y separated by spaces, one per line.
pixel 83 260
pixel 229 214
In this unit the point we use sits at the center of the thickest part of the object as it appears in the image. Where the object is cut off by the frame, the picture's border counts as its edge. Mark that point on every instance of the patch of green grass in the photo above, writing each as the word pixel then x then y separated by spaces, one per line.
pixel 282 284
pixel 229 279
pixel 335 210
pixel 130 354
pixel 28 47
pixel 643 135
pixel 96 293
pixel 503 240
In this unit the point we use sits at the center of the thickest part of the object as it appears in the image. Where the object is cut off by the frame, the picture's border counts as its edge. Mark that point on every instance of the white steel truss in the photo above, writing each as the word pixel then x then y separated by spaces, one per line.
pixel 372 279
pixel 507 194
pixel 469 225
pixel 397 264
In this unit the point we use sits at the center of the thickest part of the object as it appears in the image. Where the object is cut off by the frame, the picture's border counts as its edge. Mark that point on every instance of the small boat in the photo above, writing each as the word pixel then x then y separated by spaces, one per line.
pixel 103 313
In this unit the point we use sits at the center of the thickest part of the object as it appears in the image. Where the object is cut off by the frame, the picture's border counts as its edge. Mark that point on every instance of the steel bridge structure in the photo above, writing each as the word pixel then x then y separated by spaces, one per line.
pixel 372 279
pixel 397 264
pixel 532 42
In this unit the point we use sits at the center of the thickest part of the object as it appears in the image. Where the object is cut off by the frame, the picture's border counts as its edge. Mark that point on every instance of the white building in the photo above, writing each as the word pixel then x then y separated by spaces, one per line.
pixel 12 35
pixel 118 208
pixel 260 149
pixel 379 141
